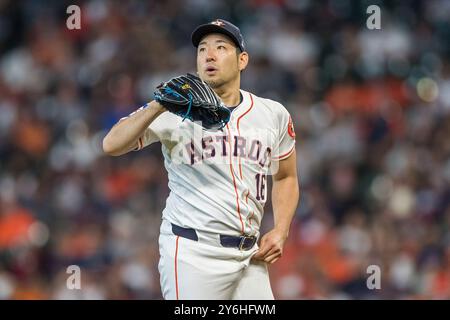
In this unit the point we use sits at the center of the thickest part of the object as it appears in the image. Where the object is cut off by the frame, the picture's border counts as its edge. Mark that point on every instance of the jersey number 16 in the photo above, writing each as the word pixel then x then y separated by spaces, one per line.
pixel 260 186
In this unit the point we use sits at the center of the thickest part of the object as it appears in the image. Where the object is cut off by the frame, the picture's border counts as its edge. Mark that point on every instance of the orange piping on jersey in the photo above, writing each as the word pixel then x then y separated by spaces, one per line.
pixel 246 201
pixel 287 153
pixel 176 269
pixel 239 132
pixel 234 182
pixel 250 218
pixel 240 167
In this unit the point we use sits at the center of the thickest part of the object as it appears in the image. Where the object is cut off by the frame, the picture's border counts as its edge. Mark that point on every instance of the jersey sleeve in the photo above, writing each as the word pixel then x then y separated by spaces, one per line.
pixel 285 144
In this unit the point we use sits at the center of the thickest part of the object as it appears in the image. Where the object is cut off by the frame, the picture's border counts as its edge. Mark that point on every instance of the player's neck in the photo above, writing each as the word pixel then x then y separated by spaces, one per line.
pixel 230 94
pixel 231 98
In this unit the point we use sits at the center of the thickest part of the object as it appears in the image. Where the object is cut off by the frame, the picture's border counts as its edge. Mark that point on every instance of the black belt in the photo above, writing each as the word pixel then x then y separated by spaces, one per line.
pixel 243 242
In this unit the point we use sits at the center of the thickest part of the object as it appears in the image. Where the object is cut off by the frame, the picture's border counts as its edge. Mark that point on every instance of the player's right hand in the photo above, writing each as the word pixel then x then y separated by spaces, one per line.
pixel 271 247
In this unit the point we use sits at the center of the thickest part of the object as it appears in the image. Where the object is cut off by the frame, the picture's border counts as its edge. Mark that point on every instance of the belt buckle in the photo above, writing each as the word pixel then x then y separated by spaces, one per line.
pixel 242 243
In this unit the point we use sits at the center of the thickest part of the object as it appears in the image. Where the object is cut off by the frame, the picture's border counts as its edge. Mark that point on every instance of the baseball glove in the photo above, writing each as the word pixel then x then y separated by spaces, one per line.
pixel 191 98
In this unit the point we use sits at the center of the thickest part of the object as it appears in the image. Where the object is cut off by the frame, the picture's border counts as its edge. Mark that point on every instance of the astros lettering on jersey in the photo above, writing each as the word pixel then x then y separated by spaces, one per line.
pixel 218 178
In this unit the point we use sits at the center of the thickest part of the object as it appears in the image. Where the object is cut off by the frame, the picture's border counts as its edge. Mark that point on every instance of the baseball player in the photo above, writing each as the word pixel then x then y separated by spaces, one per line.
pixel 210 244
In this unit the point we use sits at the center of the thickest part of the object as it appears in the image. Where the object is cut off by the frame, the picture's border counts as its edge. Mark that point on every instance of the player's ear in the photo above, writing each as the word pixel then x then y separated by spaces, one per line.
pixel 243 60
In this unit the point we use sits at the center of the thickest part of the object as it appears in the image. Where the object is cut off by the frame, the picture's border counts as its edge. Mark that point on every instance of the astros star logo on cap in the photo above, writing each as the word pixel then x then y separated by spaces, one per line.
pixel 218 23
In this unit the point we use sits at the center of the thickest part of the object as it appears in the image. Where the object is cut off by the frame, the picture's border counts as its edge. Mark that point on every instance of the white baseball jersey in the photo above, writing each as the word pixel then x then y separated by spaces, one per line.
pixel 217 179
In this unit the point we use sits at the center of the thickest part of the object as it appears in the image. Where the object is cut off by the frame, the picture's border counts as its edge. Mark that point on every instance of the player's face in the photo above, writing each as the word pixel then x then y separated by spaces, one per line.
pixel 217 60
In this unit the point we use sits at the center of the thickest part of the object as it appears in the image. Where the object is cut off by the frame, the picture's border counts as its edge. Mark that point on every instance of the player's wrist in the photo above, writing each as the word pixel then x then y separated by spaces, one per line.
pixel 282 230
pixel 156 107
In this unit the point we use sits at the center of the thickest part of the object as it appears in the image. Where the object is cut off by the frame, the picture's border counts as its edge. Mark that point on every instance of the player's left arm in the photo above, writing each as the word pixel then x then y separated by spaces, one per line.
pixel 285 197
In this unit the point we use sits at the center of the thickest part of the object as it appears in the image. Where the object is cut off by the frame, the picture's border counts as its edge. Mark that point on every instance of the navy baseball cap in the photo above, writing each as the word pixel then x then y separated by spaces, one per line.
pixel 219 26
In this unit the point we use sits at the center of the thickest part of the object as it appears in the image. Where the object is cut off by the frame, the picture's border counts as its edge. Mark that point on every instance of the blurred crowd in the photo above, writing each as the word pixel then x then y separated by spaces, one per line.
pixel 371 110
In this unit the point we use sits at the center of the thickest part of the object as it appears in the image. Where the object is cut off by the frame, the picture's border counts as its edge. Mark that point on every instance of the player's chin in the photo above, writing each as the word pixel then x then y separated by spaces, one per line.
pixel 213 81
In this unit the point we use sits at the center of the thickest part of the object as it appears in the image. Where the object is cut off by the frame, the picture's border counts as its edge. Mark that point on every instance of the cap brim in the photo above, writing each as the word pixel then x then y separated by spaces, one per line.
pixel 206 29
